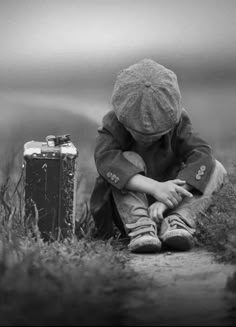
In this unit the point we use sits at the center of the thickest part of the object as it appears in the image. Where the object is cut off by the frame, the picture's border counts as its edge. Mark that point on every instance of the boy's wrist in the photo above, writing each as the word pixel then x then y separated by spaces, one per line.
pixel 154 188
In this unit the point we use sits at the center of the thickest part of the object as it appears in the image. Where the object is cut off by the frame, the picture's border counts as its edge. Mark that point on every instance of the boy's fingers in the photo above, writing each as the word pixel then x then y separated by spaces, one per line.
pixel 159 215
pixel 179 181
pixel 175 202
pixel 156 216
pixel 154 213
pixel 184 192
pixel 169 204
pixel 178 197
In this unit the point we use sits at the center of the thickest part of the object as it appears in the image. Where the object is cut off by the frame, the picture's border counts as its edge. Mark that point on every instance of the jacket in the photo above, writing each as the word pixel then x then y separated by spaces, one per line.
pixel 180 153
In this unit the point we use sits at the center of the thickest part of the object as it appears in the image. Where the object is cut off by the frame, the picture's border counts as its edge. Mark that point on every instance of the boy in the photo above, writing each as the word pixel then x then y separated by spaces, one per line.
pixel 155 173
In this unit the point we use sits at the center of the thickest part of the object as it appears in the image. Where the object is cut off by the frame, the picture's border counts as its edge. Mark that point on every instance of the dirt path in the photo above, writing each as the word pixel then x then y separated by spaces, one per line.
pixel 186 288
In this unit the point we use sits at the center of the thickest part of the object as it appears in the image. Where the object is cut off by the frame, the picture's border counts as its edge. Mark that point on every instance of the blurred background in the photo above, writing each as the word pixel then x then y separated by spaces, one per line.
pixel 59 60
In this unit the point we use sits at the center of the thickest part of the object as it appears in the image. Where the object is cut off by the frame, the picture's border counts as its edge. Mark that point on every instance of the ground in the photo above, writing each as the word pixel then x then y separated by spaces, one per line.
pixel 89 282
pixel 184 288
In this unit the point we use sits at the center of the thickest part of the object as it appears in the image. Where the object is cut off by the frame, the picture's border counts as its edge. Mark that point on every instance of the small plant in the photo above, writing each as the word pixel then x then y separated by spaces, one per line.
pixel 77 281
pixel 216 228
pixel 84 223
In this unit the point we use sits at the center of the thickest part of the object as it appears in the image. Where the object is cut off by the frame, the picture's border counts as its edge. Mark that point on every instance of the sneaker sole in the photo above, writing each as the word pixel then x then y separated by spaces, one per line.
pixel 146 248
pixel 178 241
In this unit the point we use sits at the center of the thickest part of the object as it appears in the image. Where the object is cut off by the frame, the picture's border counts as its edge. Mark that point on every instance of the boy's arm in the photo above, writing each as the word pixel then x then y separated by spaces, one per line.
pixel 169 192
pixel 195 153
pixel 111 142
pixel 158 208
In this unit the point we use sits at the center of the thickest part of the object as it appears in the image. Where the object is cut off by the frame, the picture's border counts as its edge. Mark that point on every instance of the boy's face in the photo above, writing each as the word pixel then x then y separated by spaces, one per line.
pixel 145 140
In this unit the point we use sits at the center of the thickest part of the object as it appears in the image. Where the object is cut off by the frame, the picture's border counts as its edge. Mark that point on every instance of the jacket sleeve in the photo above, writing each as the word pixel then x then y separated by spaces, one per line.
pixel 112 141
pixel 195 153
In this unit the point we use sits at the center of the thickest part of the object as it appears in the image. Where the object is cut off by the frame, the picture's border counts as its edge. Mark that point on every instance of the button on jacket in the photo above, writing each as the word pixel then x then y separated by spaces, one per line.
pixel 178 154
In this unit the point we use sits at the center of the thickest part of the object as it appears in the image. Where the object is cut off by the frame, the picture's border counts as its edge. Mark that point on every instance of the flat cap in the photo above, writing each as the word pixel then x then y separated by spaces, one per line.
pixel 146 98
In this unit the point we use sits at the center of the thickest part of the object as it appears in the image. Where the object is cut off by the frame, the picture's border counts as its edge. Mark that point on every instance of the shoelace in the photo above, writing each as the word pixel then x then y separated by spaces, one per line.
pixel 177 222
pixel 141 227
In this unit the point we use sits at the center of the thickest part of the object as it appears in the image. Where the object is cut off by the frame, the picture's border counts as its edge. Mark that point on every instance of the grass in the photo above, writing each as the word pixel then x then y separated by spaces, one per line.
pixel 75 282
pixel 82 281
pixel 216 228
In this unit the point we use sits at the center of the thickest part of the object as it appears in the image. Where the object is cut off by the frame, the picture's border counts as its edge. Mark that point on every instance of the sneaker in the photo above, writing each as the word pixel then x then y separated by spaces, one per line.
pixel 176 234
pixel 144 236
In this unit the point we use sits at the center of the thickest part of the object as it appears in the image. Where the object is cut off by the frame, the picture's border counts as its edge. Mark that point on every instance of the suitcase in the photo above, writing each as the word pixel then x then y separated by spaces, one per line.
pixel 50 176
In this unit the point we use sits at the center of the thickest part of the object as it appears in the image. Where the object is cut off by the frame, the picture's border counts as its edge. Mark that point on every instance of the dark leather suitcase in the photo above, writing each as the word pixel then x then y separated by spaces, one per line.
pixel 50 173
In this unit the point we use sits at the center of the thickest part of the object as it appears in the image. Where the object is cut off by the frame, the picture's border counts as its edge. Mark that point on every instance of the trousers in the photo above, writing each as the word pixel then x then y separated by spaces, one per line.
pixel 132 206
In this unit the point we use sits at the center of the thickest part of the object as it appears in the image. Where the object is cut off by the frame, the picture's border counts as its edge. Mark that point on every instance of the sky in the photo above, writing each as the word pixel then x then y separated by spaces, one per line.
pixel 66 54
pixel 36 32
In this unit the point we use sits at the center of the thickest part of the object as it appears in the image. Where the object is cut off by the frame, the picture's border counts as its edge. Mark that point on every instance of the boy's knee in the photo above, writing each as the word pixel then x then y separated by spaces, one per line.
pixel 135 159
pixel 217 179
pixel 220 170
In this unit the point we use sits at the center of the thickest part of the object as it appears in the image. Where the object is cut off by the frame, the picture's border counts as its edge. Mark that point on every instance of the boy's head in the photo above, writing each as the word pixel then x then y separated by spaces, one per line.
pixel 147 100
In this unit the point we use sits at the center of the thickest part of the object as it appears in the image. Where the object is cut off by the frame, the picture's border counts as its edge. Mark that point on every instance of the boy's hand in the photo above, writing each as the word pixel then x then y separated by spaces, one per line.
pixel 156 211
pixel 170 192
